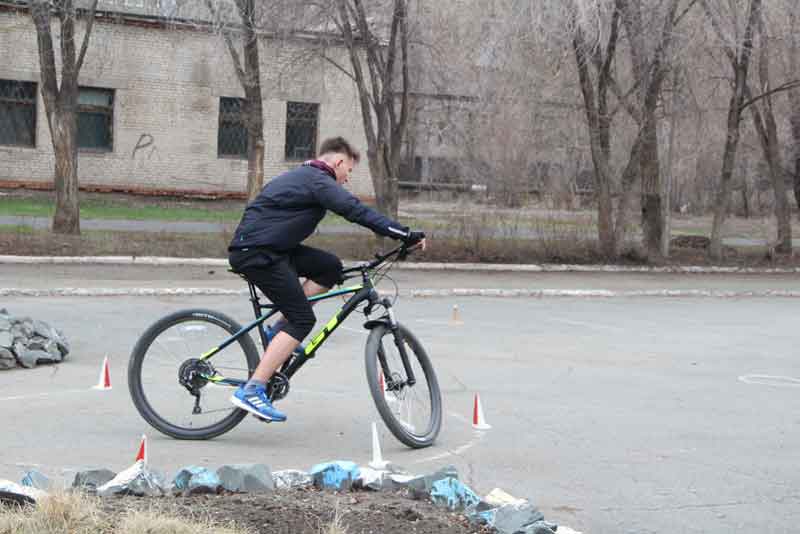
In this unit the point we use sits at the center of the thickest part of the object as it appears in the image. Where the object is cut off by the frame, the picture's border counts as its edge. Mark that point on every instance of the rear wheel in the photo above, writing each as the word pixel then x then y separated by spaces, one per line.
pixel 166 376
pixel 412 412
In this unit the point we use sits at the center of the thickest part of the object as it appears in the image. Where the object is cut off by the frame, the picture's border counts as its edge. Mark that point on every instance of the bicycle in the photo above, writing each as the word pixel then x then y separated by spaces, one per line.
pixel 392 374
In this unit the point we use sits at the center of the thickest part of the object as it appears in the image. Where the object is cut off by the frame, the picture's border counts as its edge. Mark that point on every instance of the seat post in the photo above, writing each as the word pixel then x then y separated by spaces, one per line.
pixel 256 302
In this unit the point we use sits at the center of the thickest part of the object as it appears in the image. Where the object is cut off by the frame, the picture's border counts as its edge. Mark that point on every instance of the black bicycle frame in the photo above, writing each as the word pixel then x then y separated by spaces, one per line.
pixel 364 292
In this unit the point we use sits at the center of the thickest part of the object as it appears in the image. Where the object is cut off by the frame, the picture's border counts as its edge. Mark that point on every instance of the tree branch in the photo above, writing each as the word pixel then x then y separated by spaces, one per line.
pixel 86 35
pixel 788 86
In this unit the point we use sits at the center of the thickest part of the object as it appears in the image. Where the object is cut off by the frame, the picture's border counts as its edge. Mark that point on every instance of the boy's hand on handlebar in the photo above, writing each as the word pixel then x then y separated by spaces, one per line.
pixel 413 238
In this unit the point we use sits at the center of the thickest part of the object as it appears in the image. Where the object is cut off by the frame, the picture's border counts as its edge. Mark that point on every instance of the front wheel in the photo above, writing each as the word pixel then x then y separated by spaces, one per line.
pixel 412 412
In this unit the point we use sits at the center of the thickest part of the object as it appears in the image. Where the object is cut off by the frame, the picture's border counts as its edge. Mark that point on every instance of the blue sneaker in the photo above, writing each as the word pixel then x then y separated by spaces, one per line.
pixel 255 401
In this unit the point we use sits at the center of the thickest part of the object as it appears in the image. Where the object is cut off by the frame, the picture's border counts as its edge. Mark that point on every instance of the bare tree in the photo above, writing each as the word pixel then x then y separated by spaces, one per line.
pixel 794 97
pixel 376 63
pixel 650 65
pixel 739 58
pixel 248 71
pixel 61 101
pixel 764 120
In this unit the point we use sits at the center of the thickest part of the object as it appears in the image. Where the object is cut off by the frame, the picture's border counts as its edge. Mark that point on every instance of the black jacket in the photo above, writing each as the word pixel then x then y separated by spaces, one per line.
pixel 290 207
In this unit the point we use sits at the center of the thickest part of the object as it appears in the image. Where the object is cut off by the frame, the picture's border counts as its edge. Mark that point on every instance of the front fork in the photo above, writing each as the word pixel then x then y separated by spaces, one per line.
pixel 399 342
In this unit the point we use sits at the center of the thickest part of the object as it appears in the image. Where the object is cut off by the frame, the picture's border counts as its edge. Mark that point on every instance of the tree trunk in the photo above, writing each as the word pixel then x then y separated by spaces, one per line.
pixel 768 130
pixel 722 202
pixel 652 216
pixel 794 100
pixel 384 184
pixel 66 219
pixel 740 62
pixel 252 89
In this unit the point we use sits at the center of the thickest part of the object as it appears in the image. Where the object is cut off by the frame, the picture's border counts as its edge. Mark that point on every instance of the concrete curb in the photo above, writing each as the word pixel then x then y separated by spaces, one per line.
pixel 414 293
pixel 481 267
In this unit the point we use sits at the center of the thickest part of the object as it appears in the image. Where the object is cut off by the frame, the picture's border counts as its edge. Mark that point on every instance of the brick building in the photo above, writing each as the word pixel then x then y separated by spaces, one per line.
pixel 158 106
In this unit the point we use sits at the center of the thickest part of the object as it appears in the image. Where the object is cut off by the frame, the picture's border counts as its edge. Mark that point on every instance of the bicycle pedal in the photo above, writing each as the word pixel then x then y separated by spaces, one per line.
pixel 261 419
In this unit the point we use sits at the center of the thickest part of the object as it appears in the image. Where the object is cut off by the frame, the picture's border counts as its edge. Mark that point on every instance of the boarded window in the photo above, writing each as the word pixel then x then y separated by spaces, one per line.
pixel 96 119
pixel 232 134
pixel 301 130
pixel 17 113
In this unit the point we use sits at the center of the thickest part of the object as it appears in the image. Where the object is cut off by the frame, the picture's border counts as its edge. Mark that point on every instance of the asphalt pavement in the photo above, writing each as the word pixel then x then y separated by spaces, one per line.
pixel 613 415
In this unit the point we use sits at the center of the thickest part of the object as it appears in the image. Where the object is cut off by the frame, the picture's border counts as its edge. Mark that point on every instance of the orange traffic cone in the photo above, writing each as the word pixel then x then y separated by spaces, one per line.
pixel 104 382
pixel 478 419
pixel 141 456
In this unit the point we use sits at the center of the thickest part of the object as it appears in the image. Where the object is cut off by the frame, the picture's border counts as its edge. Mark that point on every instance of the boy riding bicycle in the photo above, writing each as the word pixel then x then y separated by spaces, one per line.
pixel 267 249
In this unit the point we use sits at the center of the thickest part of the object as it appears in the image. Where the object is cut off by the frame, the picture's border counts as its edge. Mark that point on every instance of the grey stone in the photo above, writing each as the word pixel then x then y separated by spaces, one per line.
pixel 61 342
pixel 43 329
pixel 18 334
pixel 91 479
pixel 420 487
pixel 137 480
pixel 37 343
pixel 516 519
pixel 291 478
pixel 249 478
pixel 51 347
pixel 194 480
pixel 25 327
pixel 34 479
pixel 7 359
pixel 35 356
pixel 23 357
pixel 6 339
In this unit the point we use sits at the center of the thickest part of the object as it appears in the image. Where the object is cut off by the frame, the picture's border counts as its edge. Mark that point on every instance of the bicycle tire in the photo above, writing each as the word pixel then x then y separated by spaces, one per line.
pixel 140 352
pixel 373 369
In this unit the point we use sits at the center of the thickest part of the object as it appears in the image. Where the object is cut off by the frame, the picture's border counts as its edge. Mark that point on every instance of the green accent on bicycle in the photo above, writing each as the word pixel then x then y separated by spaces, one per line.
pixel 206 355
pixel 342 291
pixel 323 334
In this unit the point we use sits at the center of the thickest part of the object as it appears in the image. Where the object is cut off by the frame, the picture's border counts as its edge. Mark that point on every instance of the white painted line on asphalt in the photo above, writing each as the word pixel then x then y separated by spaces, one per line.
pixel 47 394
pixel 583 324
pixel 508 267
pixel 421 293
pixel 771 380
pixel 455 452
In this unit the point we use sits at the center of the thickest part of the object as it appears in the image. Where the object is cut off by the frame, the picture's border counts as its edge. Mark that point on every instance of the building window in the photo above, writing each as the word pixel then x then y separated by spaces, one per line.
pixel 17 113
pixel 301 130
pixel 95 119
pixel 232 133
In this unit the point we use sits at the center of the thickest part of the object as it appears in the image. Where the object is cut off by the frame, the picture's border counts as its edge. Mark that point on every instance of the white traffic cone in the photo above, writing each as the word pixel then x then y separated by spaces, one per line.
pixel 141 456
pixel 104 382
pixel 478 419
pixel 377 463
pixel 456 318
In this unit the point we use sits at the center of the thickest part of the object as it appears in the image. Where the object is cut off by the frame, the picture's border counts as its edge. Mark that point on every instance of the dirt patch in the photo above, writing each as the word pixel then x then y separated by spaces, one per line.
pixel 307 511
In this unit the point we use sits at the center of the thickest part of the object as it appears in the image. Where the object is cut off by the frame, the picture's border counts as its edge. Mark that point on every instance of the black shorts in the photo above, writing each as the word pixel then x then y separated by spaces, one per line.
pixel 276 275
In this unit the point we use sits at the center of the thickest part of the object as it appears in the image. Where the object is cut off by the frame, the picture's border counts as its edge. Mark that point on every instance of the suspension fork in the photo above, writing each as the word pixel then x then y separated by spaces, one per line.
pixel 399 342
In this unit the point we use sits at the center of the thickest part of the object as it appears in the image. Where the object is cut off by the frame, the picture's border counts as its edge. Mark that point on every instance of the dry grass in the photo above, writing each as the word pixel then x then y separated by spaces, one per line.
pixel 63 513
pixel 156 522
pixel 336 525
pixel 77 513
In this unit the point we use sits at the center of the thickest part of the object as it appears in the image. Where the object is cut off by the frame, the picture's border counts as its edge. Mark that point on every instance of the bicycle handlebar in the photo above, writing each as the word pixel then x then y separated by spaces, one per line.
pixel 402 251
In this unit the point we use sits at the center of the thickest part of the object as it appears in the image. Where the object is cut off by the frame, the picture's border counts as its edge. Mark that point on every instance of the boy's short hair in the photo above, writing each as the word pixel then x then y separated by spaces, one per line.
pixel 339 144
